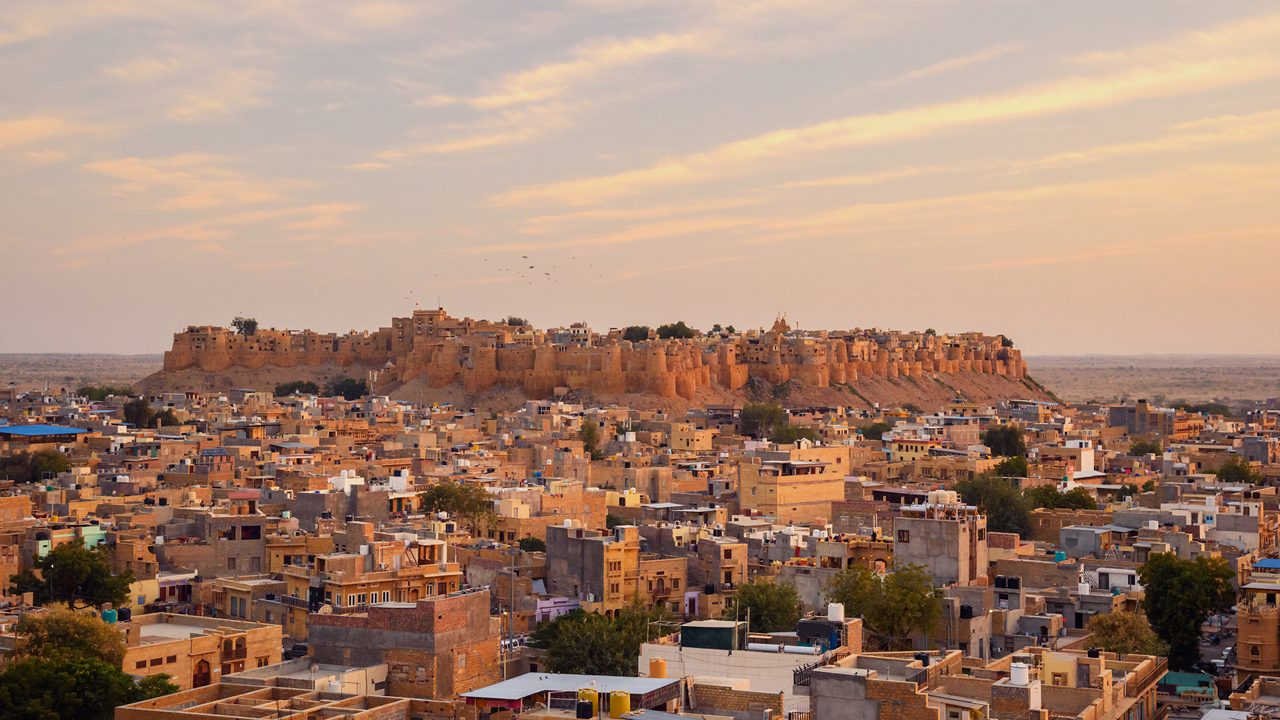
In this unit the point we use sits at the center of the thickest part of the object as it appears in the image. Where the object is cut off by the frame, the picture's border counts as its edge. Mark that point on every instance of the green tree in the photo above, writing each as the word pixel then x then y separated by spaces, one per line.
pixel 138 412
pixel 349 388
pixel 1048 496
pixel 516 321
pixel 592 644
pixel 731 330
pixel 772 607
pixel 1148 486
pixel 72 688
pixel 28 467
pixel 790 434
pixel 612 521
pixel 1012 467
pixel 532 544
pixel 102 392
pixel 875 430
pixel 1238 470
pixel 1005 507
pixel 1125 632
pixel 761 419
pixel 636 333
pixel 62 633
pixel 466 501
pixel 590 436
pixel 76 575
pixel 244 325
pixel 676 330
pixel 1005 440
pixel 167 418
pixel 1145 447
pixel 892 607
pixel 1179 596
pixel 304 387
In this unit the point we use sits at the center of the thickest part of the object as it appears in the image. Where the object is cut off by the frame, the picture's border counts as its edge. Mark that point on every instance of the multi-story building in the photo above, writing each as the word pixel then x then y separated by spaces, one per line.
pixel 793 485
pixel 197 651
pixel 607 570
pixel 945 536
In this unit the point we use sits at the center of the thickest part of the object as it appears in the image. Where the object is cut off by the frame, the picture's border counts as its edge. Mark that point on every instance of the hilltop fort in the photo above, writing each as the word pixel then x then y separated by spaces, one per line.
pixel 431 354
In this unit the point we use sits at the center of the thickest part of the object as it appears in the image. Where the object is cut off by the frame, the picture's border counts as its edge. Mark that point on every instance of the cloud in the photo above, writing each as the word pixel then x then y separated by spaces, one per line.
pixel 508 127
pixel 1038 260
pixel 628 275
pixel 545 224
pixel 370 165
pixel 874 178
pixel 957 63
pixel 1185 137
pixel 661 230
pixel 1231 54
pixel 221 93
pixel 190 181
pixel 588 63
pixel 206 232
pixel 32 129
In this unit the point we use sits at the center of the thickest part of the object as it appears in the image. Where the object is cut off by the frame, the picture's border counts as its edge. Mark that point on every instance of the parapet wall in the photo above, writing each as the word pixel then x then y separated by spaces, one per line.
pixel 478 356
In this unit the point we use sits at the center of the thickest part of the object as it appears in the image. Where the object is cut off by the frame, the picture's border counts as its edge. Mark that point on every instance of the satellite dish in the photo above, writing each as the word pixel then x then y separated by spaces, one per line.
pixel 325 609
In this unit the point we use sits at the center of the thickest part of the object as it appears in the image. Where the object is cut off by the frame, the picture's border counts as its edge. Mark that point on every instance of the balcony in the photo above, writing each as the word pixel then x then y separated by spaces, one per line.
pixel 1144 682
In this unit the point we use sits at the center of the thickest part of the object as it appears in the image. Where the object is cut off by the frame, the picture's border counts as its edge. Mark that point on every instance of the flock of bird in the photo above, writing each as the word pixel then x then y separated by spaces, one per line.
pixel 529 277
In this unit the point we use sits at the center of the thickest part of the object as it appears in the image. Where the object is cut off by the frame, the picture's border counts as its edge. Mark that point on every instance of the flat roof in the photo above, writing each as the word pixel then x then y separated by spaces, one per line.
pixel 521 687
pixel 39 429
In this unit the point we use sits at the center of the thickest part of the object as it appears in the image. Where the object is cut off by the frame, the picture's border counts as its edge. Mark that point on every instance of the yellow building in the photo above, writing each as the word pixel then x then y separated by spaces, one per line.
pixel 793 485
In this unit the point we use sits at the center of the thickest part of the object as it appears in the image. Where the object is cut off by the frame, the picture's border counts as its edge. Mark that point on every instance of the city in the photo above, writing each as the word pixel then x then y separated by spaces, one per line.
pixel 639 360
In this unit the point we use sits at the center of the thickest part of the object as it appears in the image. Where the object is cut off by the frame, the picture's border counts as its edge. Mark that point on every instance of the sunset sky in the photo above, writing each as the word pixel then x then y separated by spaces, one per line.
pixel 1086 177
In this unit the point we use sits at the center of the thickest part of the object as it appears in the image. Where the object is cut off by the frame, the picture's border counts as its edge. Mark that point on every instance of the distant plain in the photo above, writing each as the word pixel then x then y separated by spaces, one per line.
pixel 1195 378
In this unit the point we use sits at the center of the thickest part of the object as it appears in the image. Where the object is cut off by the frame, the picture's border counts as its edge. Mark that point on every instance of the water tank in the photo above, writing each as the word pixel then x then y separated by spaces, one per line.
pixel 334 686
pixel 835 612
pixel 1019 675
pixel 657 667
pixel 1094 652
pixel 966 612
pixel 124 614
pixel 1002 581
pixel 1059 556
pixel 619 703
pixel 584 711
pixel 109 615
pixel 1015 583
pixel 1082 588
pixel 923 658
pixel 591 698
pixel 764 647
pixel 801 649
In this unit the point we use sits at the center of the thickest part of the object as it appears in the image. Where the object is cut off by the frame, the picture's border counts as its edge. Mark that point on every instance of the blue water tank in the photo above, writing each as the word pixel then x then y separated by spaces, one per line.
pixel 109 615
pixel 1059 556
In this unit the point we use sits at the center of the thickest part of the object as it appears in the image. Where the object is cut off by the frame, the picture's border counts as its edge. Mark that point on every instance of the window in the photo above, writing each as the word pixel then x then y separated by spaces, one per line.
pixel 171 659
pixel 156 662
pixel 141 664
pixel 904 536
pixel 262 661
pixel 386 596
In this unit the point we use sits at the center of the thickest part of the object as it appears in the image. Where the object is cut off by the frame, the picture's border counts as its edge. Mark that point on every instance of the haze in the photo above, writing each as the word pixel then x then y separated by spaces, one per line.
pixel 1087 177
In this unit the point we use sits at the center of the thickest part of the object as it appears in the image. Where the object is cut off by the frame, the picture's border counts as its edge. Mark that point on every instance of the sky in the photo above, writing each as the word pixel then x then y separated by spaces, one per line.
pixel 1085 177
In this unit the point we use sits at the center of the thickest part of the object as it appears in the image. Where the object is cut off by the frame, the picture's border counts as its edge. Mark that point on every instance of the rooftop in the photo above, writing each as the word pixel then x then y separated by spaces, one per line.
pixel 521 687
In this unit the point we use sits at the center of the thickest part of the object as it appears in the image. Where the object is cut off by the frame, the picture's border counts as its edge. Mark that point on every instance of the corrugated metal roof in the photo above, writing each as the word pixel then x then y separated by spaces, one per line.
pixel 528 684
pixel 38 429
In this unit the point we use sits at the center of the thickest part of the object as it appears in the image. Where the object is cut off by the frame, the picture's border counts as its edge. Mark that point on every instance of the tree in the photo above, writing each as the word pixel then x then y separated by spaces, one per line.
pixel 462 500
pixel 592 644
pixel 72 688
pixel 1145 447
pixel 875 430
pixel 99 393
pixel 1125 632
pixel 590 436
pixel 1179 596
pixel 167 418
pixel 532 544
pixel 349 388
pixel 76 575
pixel 516 321
pixel 893 607
pixel 1238 470
pixel 1005 507
pixel 676 330
pixel 612 521
pixel 790 434
pixel 773 607
pixel 27 467
pixel 636 333
pixel 245 326
pixel 1047 496
pixel 1148 486
pixel 731 330
pixel 1012 467
pixel 62 633
pixel 761 419
pixel 304 387
pixel 138 412
pixel 1005 440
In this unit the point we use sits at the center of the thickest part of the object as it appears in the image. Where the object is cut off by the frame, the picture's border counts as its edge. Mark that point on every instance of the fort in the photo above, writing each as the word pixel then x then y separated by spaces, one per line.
pixel 432 349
